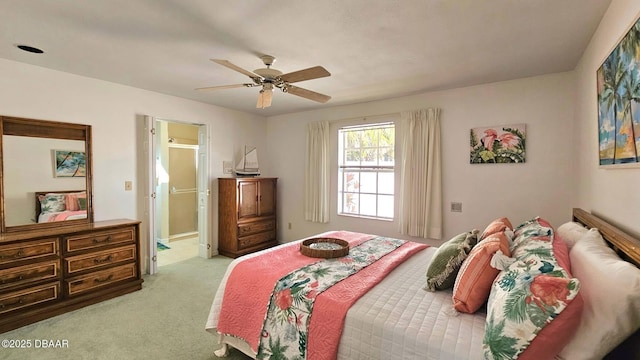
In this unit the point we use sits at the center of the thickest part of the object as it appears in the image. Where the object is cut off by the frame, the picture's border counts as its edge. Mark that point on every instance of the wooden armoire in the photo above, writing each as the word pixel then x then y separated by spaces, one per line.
pixel 246 215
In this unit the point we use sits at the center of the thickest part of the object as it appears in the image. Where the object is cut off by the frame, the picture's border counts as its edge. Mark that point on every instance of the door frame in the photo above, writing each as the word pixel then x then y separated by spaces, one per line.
pixel 205 241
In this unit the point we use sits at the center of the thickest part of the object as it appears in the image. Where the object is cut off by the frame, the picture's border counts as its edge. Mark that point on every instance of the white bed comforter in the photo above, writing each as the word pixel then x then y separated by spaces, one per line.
pixel 397 319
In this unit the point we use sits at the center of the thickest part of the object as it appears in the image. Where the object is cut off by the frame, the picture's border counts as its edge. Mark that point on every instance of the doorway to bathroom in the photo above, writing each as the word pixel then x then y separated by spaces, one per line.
pixel 179 192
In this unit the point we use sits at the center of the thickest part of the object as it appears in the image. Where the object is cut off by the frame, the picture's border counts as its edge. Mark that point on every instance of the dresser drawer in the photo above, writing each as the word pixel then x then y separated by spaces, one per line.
pixel 255 227
pixel 251 240
pixel 100 259
pixel 28 250
pixel 28 297
pixel 85 283
pixel 98 239
pixel 29 273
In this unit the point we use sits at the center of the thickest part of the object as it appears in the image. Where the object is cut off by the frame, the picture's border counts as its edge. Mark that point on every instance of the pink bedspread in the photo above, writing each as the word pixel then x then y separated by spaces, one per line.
pixel 62 216
pixel 242 316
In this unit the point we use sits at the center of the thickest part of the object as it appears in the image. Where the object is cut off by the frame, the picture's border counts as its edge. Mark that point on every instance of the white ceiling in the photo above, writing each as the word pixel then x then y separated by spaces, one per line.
pixel 373 49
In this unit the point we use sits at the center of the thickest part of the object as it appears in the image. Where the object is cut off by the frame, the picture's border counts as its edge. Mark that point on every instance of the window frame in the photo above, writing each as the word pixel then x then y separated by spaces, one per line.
pixel 364 168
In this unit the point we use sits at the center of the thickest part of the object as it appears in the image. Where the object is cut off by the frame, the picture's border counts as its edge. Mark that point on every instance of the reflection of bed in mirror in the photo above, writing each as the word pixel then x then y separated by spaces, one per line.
pixel 60 205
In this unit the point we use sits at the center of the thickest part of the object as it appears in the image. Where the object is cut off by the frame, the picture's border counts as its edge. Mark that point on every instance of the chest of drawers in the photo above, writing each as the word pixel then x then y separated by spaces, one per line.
pixel 246 215
pixel 49 272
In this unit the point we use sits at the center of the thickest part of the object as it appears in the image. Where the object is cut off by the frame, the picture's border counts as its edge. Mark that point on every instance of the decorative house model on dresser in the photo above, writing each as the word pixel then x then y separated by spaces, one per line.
pixel 246 215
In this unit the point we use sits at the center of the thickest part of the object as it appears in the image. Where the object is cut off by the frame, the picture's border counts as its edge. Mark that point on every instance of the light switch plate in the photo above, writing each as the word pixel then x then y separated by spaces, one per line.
pixel 227 167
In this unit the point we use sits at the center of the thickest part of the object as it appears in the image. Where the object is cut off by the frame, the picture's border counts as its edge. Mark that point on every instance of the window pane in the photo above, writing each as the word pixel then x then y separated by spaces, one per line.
pixel 368 205
pixel 370 137
pixel 386 185
pixel 387 136
pixel 351 181
pixel 370 157
pixel 385 206
pixel 368 182
pixel 352 157
pixel 386 156
pixel 350 203
pixel 353 139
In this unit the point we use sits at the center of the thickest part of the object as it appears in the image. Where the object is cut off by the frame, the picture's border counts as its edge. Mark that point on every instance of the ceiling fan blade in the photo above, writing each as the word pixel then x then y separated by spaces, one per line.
pixel 224 87
pixel 307 94
pixel 236 68
pixel 306 74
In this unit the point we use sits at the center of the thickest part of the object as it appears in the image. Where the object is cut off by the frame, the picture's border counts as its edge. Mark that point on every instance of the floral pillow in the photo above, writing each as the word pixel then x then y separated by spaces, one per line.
pixel 527 295
pixel 52 202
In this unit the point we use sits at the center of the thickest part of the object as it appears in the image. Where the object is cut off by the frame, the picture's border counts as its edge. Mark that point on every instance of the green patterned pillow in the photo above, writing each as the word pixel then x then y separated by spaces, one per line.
pixel 447 260
pixel 82 203
pixel 52 202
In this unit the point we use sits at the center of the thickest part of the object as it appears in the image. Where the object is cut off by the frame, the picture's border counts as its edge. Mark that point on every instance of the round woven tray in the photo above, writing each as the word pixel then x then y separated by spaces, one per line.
pixel 327 248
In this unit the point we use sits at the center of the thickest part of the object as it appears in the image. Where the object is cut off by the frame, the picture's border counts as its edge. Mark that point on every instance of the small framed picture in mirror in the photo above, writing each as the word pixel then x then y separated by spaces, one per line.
pixel 69 163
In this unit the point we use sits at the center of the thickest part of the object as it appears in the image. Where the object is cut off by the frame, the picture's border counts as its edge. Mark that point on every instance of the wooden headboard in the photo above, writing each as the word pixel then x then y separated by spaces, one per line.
pixel 628 247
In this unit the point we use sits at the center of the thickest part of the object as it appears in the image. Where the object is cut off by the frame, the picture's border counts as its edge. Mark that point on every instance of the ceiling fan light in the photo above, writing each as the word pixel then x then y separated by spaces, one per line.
pixel 264 98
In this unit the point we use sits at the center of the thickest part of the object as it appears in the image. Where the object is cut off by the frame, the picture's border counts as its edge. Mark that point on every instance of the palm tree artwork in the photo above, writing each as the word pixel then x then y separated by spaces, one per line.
pixel 618 84
pixel 70 163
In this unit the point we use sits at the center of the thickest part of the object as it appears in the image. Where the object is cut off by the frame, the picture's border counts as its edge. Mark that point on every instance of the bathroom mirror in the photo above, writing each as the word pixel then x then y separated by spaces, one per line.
pixel 46 174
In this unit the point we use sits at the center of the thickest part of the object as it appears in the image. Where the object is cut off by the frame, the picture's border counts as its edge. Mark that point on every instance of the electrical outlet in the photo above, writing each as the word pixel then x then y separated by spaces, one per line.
pixel 456 207
pixel 128 185
pixel 289 226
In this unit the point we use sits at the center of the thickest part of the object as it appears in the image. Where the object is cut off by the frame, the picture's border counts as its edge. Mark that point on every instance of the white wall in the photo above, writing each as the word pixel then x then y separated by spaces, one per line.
pixel 541 186
pixel 114 111
pixel 612 194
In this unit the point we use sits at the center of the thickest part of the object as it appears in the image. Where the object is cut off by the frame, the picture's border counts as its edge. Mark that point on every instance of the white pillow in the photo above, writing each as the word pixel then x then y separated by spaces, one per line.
pixel 610 288
pixel 571 232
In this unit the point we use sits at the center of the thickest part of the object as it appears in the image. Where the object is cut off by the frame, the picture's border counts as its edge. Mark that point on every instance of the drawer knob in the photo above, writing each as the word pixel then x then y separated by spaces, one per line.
pixel 17 255
pixel 98 280
pixel 20 301
pixel 105 240
pixel 100 261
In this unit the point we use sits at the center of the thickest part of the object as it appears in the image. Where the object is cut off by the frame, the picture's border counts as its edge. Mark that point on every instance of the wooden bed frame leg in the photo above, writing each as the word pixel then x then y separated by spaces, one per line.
pixel 223 351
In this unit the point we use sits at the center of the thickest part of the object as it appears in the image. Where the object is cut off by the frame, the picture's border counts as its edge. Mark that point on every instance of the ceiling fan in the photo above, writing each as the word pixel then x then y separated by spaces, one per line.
pixel 270 78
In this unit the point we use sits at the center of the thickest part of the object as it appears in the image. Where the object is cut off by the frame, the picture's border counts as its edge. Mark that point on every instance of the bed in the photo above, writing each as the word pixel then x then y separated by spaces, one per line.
pixel 397 318
pixel 59 205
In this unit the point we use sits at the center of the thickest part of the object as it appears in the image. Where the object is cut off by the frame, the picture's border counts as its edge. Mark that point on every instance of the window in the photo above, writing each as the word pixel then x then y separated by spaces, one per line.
pixel 366 170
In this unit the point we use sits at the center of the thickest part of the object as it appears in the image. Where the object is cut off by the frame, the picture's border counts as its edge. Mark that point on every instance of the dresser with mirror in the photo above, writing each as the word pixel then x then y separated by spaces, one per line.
pixel 54 257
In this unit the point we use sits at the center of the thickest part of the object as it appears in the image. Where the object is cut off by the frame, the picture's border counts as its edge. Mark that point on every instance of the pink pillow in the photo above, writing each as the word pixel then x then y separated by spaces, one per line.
pixel 553 337
pixel 71 200
pixel 496 226
pixel 473 283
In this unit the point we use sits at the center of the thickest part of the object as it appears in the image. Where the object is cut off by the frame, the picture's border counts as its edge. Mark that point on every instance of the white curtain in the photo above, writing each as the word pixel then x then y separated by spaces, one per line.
pixel 420 200
pixel 316 192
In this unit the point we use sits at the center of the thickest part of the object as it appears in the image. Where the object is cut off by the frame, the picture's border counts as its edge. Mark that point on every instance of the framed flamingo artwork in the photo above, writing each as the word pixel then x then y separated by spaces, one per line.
pixel 618 81
pixel 498 144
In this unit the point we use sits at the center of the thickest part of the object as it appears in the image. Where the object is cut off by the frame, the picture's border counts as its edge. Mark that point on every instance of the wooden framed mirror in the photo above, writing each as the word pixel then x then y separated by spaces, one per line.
pixel 45 174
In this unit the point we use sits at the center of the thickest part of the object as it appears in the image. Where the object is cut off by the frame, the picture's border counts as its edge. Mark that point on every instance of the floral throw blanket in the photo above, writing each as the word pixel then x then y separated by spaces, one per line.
pixel 250 288
pixel 528 294
pixel 285 329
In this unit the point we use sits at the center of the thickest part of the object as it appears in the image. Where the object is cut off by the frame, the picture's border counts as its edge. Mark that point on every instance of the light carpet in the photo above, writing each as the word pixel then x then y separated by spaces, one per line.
pixel 164 320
